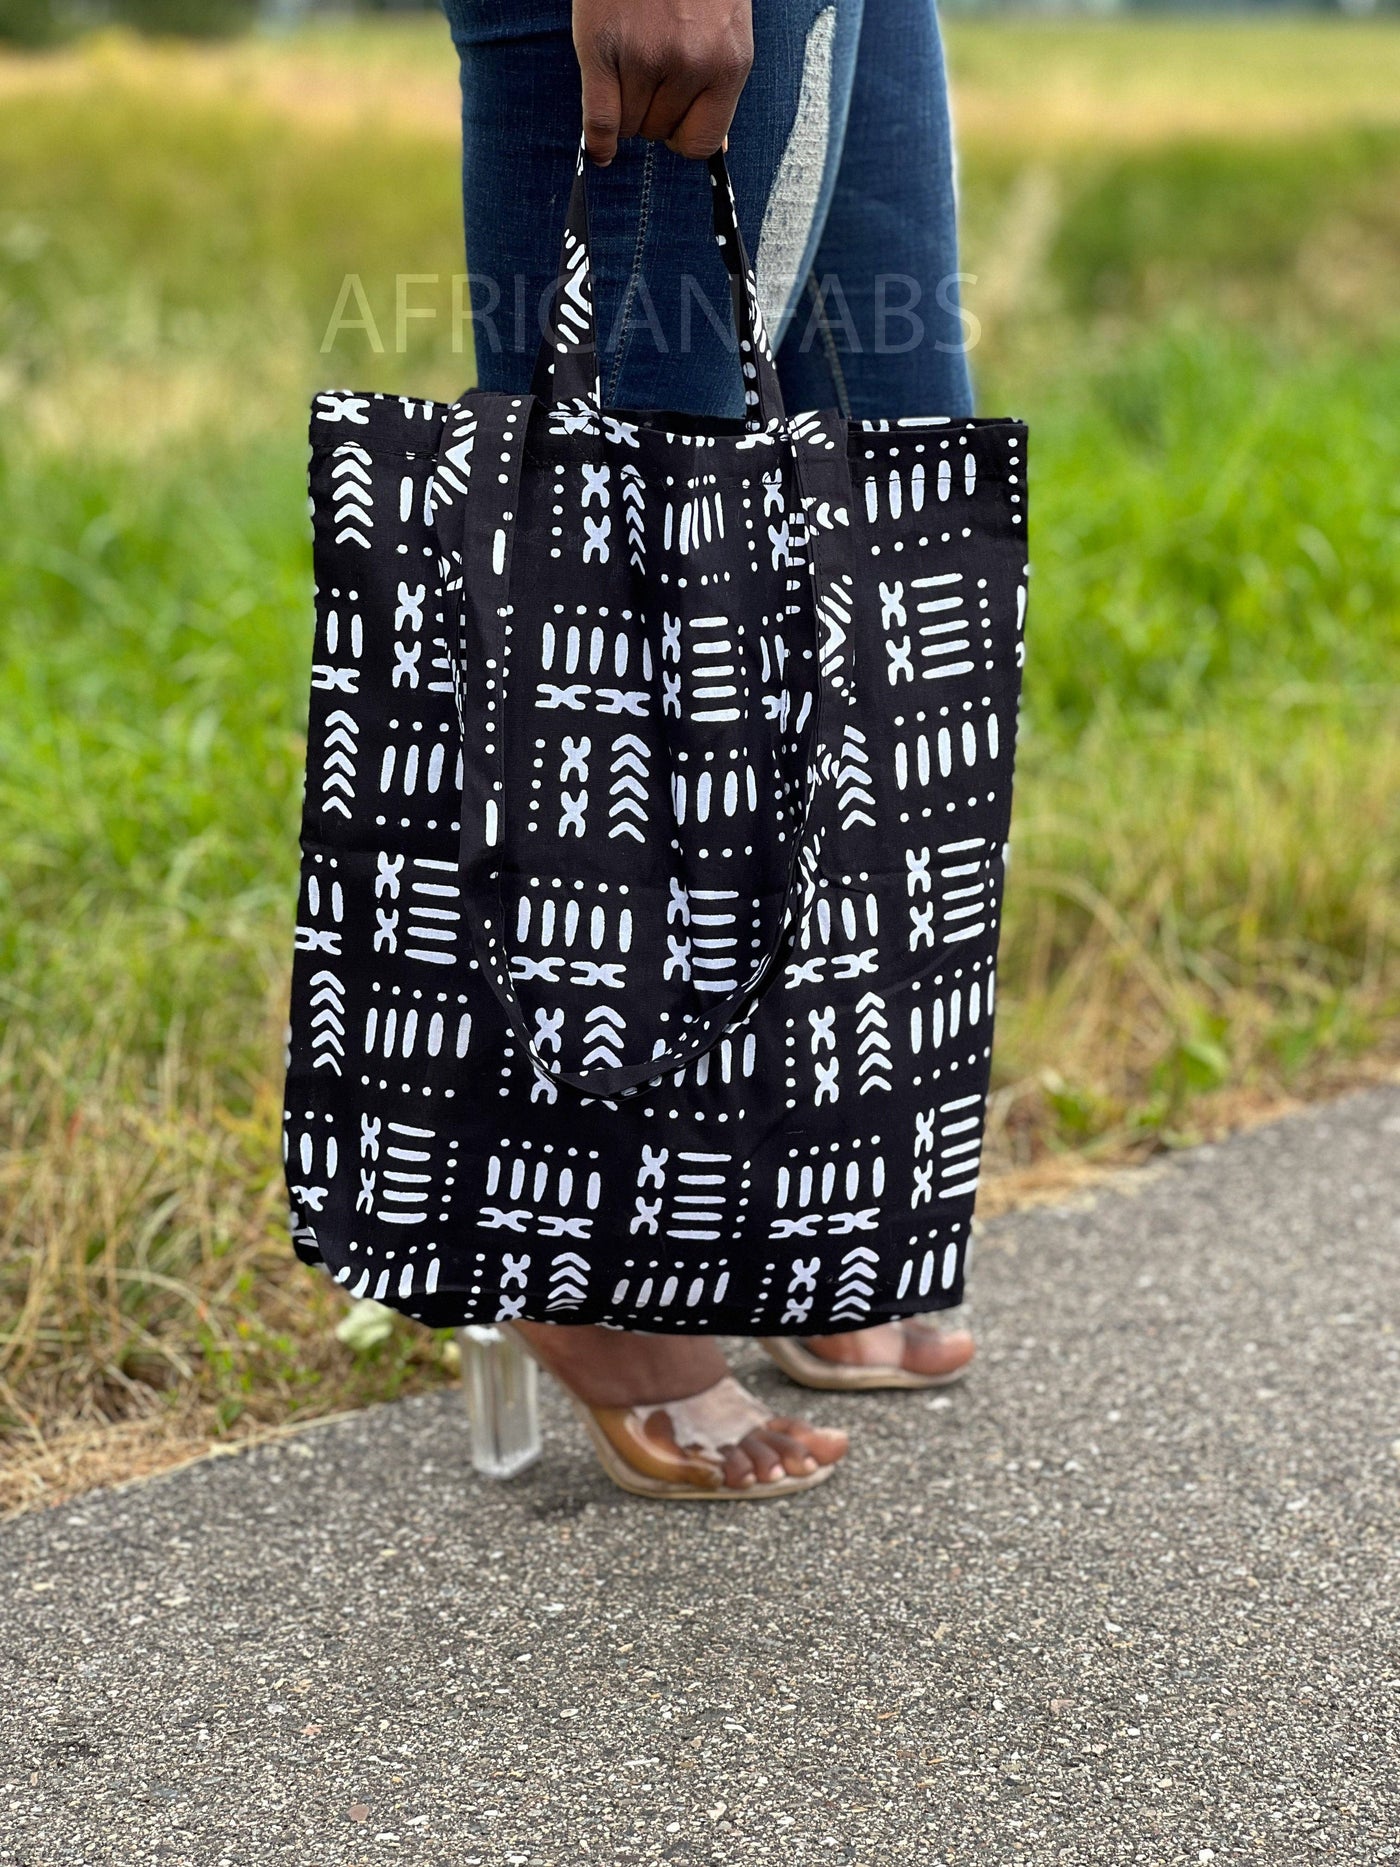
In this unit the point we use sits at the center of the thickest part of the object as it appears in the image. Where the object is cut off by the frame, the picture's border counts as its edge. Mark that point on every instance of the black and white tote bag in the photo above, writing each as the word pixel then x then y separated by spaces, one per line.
pixel 657 792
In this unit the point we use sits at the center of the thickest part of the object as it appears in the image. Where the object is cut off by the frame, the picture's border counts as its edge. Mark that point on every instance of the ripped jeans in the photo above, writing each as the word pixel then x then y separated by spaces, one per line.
pixel 842 162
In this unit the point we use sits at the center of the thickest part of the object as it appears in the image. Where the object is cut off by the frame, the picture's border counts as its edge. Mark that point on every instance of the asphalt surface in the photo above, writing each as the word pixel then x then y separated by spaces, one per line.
pixel 1128 1596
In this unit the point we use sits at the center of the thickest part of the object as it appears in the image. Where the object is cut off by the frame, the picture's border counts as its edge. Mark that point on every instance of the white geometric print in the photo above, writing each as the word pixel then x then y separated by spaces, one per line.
pixel 353 501
pixel 653 849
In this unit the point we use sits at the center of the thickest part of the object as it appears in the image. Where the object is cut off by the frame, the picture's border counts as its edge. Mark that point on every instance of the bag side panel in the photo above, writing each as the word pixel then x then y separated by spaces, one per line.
pixel 376 992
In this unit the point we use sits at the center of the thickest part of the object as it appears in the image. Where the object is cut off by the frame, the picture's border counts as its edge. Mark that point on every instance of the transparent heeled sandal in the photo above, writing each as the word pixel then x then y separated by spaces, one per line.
pixel 801 1364
pixel 676 1455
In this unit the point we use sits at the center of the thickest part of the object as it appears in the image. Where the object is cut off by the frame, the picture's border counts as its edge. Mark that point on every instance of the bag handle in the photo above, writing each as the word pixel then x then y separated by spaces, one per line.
pixel 483 447
pixel 485 437
pixel 566 369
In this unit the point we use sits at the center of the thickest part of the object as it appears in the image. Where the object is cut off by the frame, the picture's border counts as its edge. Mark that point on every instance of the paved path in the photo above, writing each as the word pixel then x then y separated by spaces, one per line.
pixel 1130 1596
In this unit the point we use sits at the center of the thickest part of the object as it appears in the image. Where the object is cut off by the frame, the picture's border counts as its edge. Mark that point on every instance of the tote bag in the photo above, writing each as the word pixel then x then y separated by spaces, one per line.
pixel 657 790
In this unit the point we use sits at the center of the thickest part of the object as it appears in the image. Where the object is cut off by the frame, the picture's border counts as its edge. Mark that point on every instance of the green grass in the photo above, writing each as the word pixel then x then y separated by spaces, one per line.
pixel 1203 329
pixel 1217 525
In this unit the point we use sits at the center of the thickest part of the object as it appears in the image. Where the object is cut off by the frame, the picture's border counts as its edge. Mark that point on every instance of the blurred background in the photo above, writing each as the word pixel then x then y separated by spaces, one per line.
pixel 1183 233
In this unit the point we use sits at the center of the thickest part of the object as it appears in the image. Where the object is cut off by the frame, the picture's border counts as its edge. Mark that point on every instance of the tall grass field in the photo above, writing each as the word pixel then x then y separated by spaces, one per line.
pixel 1186 246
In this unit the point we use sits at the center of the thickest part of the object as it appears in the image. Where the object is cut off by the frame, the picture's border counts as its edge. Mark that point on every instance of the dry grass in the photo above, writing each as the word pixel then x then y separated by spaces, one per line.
pixel 324 80
pixel 162 1313
pixel 70 1459
pixel 1155 956
pixel 1038 88
pixel 1026 88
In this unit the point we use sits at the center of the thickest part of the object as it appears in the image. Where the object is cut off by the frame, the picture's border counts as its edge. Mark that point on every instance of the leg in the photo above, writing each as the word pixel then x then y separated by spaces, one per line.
pixel 821 83
pixel 662 300
pixel 878 332
pixel 655 271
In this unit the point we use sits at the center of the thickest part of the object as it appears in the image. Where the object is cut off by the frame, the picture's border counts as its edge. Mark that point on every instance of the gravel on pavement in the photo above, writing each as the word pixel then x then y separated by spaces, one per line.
pixel 1128 1595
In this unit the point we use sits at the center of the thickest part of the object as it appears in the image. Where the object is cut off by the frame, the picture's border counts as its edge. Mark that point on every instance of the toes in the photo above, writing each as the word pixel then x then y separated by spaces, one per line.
pixel 936 1351
pixel 797 1456
pixel 767 1461
pixel 778 1449
pixel 739 1467
pixel 775 1454
pixel 825 1444
pixel 881 1346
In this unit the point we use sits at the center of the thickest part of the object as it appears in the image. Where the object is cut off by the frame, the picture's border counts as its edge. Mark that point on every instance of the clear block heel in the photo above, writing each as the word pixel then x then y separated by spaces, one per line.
pixel 502 1392
pixel 675 1448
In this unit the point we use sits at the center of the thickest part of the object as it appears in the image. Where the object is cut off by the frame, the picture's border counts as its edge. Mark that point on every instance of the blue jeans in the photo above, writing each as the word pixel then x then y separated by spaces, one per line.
pixel 841 156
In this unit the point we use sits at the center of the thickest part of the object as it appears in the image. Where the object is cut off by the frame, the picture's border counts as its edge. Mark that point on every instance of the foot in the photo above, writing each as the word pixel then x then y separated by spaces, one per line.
pixel 917 1344
pixel 617 1368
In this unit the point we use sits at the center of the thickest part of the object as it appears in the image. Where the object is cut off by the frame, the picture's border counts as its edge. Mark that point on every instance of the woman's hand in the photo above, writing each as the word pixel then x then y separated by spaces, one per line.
pixel 671 70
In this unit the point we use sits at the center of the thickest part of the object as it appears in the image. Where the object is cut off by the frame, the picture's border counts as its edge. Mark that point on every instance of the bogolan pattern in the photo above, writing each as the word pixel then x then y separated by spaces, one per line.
pixel 816 1169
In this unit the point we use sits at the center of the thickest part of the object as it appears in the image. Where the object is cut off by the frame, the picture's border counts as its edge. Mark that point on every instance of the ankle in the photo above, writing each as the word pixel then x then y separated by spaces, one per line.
pixel 625 1368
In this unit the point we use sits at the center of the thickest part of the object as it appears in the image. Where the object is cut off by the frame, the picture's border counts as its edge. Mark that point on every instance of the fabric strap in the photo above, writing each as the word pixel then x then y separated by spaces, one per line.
pixel 566 369
pixel 483 449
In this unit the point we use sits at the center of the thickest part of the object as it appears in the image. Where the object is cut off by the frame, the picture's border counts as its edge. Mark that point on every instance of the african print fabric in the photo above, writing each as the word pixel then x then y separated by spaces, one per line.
pixel 658 788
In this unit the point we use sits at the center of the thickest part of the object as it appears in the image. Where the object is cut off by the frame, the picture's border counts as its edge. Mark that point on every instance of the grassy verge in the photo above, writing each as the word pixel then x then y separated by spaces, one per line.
pixel 1203 917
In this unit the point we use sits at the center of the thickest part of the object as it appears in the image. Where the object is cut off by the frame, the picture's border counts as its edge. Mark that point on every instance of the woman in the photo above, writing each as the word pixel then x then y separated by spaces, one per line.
pixel 838 138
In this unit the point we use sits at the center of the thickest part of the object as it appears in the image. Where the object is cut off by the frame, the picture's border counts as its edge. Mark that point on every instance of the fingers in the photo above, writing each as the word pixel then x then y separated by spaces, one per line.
pixel 683 104
pixel 704 127
pixel 658 99
pixel 662 70
pixel 602 108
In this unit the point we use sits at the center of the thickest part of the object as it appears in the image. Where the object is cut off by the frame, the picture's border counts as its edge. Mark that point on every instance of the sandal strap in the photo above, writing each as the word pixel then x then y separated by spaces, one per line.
pixel 716 1417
